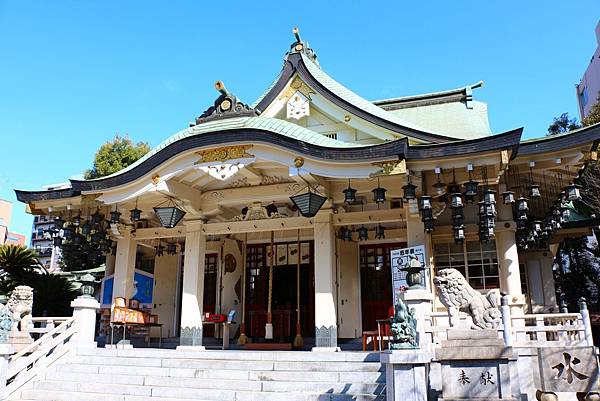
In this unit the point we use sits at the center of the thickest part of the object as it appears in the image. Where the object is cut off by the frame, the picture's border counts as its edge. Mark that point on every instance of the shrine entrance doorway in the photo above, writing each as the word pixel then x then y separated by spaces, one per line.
pixel 376 283
pixel 284 295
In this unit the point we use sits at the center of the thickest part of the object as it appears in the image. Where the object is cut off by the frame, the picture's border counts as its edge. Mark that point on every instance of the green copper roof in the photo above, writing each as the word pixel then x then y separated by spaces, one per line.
pixel 451 119
pixel 351 97
pixel 275 125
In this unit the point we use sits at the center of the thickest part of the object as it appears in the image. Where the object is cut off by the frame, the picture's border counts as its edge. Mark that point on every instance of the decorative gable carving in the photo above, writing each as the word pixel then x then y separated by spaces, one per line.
pixel 226 106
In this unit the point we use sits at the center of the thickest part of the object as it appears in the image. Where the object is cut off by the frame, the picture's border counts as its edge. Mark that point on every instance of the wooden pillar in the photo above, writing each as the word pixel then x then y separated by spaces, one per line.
pixel 193 287
pixel 243 339
pixel 269 325
pixel 298 341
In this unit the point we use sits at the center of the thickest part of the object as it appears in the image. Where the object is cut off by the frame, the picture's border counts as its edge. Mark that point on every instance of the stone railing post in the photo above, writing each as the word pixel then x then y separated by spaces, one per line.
pixel 585 317
pixel 6 350
pixel 84 312
pixel 507 334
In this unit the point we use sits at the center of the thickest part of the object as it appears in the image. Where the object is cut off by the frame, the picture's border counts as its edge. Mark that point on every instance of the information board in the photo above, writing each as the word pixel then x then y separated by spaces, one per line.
pixel 401 257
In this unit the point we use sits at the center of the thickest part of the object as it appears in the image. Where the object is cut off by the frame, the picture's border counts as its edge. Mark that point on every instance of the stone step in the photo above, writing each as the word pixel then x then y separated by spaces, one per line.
pixel 227 364
pixel 37 395
pixel 76 381
pixel 307 356
pixel 125 372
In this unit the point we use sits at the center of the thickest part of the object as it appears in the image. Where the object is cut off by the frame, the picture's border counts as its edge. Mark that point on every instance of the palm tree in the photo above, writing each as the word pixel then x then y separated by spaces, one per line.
pixel 14 258
pixel 52 294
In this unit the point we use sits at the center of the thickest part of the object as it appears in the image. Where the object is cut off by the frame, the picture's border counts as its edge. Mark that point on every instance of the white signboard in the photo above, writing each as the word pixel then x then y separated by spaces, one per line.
pixel 401 257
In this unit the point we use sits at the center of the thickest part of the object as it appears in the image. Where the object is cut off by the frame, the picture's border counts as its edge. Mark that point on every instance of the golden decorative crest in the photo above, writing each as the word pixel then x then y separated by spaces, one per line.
pixel 223 154
pixel 391 167
pixel 297 85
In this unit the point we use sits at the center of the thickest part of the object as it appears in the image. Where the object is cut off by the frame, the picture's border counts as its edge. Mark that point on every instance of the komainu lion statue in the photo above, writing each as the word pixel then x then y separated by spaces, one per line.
pixel 20 305
pixel 457 295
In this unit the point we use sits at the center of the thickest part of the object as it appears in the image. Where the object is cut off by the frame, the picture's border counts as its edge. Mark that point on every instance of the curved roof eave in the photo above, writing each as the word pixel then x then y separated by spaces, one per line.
pixel 553 143
pixel 230 135
pixel 506 140
pixel 344 98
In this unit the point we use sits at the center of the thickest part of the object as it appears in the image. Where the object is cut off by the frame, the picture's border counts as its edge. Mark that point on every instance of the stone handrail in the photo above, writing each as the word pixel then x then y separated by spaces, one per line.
pixel 45 324
pixel 25 364
pixel 534 330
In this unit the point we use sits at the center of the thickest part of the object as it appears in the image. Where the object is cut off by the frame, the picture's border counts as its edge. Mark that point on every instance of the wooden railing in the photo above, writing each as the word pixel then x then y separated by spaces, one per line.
pixel 53 344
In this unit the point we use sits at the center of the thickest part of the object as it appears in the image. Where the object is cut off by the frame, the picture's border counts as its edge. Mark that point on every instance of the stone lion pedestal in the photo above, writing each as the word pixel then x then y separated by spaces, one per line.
pixel 476 365
pixel 406 374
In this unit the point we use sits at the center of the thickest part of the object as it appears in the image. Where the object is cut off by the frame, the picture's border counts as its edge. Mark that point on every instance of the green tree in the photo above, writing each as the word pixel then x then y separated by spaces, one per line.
pixel 577 274
pixel 52 294
pixel 115 155
pixel 593 116
pixel 563 124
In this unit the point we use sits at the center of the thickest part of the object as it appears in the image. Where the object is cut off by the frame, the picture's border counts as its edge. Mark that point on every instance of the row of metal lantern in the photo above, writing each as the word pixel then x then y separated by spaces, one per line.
pixel 346 234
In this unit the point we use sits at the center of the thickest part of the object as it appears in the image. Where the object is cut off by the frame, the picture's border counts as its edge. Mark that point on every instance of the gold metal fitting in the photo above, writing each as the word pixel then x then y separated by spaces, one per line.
pixel 155 179
pixel 299 162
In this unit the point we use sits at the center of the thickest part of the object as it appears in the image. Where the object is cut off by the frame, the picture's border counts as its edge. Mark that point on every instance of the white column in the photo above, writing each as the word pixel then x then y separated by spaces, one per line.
pixel 324 258
pixel 508 256
pixel 124 266
pixel 84 312
pixel 193 287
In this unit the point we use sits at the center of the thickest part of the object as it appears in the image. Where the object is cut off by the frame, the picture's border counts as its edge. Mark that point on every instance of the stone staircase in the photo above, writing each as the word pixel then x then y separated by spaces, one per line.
pixel 169 375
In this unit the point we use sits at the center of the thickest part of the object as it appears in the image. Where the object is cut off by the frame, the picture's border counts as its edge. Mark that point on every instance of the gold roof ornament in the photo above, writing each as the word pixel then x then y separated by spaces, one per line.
pixel 224 154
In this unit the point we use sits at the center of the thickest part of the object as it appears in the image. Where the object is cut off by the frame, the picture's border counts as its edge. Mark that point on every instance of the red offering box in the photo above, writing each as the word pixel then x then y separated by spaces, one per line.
pixel 217 318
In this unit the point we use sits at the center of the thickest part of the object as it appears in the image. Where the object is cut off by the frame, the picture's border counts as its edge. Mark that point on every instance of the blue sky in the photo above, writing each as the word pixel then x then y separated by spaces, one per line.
pixel 74 73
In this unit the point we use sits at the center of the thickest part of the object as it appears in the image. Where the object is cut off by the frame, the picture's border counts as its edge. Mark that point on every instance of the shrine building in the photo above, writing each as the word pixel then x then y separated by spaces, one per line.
pixel 283 213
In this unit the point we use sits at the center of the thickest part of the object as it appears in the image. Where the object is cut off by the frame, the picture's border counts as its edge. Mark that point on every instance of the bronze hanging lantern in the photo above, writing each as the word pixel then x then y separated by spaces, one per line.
pixel 59 222
pixel 379 193
pixel 459 234
pixel 534 191
pixel 115 216
pixel 380 232
pixel 572 192
pixel 346 234
pixel 522 204
pixel 508 197
pixel 425 202
pixel 349 194
pixel 363 233
pixel 456 200
pixel 410 190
